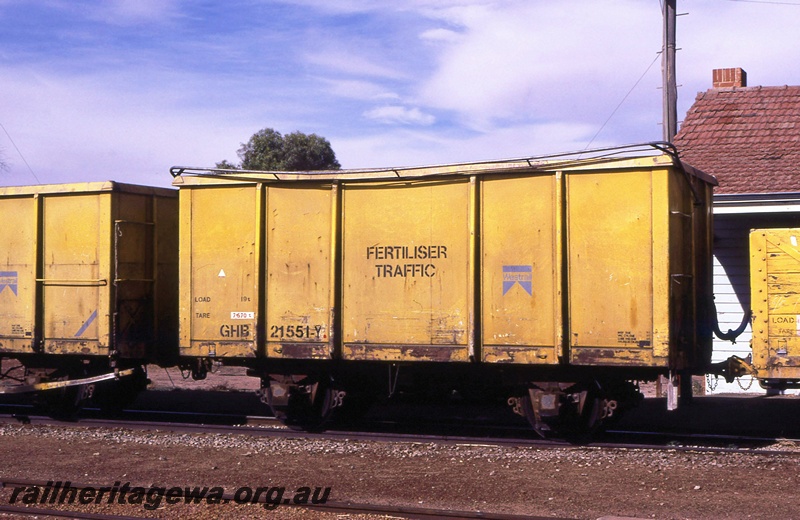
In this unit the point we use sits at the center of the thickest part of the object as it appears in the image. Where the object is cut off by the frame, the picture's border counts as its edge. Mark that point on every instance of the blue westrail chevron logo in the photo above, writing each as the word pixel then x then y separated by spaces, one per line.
pixel 518 274
pixel 9 279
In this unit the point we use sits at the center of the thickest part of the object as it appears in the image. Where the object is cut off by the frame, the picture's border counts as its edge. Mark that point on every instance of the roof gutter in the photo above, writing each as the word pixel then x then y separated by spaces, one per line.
pixel 750 203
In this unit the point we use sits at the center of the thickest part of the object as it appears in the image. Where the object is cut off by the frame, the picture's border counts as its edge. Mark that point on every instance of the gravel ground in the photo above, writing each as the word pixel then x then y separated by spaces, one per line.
pixel 567 482
pixel 573 482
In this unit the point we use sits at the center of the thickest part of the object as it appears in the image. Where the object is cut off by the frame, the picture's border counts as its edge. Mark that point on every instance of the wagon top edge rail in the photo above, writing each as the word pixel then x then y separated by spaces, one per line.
pixel 627 156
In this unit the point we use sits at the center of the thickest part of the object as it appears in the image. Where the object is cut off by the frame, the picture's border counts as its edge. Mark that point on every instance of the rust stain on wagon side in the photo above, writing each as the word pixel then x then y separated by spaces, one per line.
pixel 439 353
pixel 299 350
pixel 75 347
pixel 519 354
pixel 782 361
pixel 218 349
pixel 616 357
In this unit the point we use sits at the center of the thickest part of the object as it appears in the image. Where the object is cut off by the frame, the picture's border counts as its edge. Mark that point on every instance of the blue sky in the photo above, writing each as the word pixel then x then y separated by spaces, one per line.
pixel 124 89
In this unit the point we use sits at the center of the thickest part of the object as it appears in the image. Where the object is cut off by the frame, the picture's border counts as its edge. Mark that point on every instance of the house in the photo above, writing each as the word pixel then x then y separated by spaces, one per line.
pixel 749 139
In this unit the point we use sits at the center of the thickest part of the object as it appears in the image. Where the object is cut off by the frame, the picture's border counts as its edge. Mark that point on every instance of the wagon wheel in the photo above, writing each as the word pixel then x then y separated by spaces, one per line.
pixel 64 403
pixel 306 405
pixel 579 414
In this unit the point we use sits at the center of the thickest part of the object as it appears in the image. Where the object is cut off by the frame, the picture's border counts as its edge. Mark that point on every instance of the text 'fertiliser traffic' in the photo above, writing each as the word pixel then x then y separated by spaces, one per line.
pixel 406 269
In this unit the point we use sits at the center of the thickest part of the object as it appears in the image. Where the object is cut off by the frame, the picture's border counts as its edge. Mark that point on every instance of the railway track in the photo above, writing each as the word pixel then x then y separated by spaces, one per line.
pixel 349 508
pixel 636 465
pixel 262 426
pixel 60 513
pixel 442 432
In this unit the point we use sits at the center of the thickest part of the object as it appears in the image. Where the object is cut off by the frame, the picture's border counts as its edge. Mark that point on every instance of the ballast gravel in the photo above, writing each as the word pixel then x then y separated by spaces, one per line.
pixel 568 482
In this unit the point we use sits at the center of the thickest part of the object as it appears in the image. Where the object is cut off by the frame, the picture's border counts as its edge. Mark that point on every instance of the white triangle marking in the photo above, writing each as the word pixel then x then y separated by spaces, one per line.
pixel 221 273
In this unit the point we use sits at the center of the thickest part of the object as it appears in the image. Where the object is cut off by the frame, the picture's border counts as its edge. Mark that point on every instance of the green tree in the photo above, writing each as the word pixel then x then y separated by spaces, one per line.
pixel 308 152
pixel 267 149
pixel 225 165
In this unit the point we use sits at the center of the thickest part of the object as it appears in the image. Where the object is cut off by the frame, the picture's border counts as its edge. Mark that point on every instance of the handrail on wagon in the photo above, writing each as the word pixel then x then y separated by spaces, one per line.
pixel 99 282
pixel 547 162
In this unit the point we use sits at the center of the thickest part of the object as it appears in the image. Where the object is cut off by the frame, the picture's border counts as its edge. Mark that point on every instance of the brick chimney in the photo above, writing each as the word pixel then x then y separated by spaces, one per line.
pixel 727 78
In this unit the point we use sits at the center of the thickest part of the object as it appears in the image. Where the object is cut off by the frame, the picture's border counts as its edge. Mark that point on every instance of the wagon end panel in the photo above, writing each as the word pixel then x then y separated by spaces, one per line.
pixel 521 256
pixel 18 243
pixel 704 274
pixel 775 285
pixel 144 255
pixel 219 270
pixel 300 241
pixel 134 278
pixel 165 304
pixel 408 270
pixel 690 282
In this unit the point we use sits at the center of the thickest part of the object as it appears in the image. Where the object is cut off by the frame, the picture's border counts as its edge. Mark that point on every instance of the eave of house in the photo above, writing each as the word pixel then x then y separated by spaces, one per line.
pixel 750 203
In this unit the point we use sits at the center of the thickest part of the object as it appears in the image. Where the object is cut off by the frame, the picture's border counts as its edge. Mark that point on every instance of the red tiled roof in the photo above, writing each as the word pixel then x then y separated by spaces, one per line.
pixel 748 138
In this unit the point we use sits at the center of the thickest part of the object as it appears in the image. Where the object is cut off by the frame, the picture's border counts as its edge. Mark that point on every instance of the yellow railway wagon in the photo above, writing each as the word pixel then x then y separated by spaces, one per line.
pixel 88 270
pixel 556 266
pixel 775 302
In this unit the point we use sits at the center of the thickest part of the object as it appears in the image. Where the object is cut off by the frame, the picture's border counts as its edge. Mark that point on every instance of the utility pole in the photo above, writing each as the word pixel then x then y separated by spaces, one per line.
pixel 669 83
pixel 677 378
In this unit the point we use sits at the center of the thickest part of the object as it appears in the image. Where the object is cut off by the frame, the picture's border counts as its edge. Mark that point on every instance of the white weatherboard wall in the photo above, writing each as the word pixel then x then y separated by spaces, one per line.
pixel 732 298
pixel 734 217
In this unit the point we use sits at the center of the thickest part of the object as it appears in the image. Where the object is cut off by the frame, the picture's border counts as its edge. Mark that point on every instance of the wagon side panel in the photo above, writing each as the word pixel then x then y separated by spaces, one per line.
pixel 220 264
pixel 611 263
pixel 18 243
pixel 521 254
pixel 76 273
pixel 408 270
pixel 300 244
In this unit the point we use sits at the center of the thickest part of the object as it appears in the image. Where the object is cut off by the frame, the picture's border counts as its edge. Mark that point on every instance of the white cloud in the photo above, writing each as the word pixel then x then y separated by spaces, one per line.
pixel 397 114
pixel 357 89
pixel 366 6
pixel 400 83
pixel 98 128
pixel 414 147
pixel 351 62
pixel 133 12
pixel 532 60
pixel 440 35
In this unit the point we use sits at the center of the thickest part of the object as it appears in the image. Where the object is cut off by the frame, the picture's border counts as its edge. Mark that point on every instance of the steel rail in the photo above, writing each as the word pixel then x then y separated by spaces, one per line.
pixel 62 513
pixel 328 506
pixel 531 442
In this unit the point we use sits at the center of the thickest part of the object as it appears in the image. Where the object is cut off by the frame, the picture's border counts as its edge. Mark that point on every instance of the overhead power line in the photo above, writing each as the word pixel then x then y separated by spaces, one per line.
pixel 20 153
pixel 773 2
pixel 658 54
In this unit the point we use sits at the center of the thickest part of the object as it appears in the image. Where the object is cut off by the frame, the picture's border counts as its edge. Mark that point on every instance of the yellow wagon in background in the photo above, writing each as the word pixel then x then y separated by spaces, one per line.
pixel 88 283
